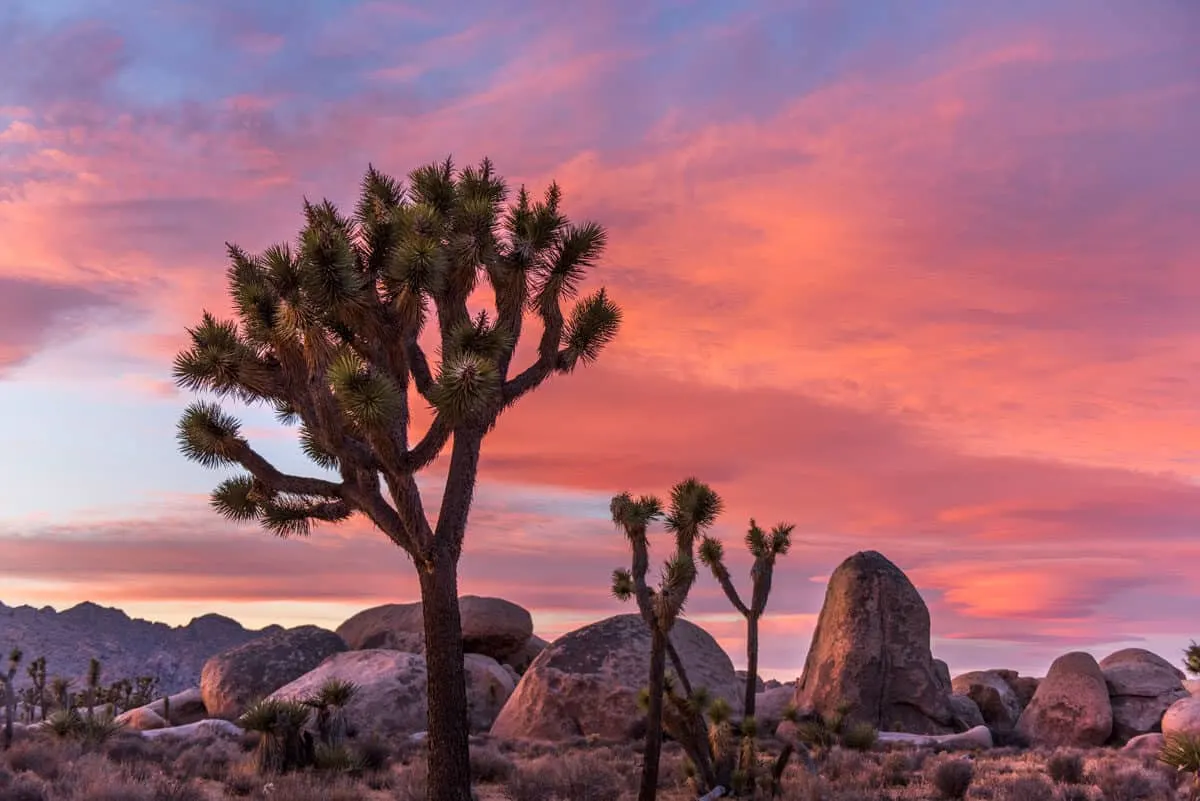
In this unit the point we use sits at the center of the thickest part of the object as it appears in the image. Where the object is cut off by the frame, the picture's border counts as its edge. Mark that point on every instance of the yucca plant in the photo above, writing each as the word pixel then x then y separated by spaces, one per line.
pixel 281 725
pixel 1182 752
pixel 333 332
pixel 1191 658
pixel 97 729
pixel 330 702
pixel 694 508
pixel 765 548
pixel 8 682
pixel 64 723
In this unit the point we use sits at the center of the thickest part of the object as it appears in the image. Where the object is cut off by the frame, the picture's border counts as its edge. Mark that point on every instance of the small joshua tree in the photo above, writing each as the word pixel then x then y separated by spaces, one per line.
pixel 764 548
pixel 60 691
pixel 37 674
pixel 93 685
pixel 330 334
pixel 694 507
pixel 8 679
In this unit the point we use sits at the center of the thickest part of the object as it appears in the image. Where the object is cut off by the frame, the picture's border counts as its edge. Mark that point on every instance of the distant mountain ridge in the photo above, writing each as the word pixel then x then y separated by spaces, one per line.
pixel 126 647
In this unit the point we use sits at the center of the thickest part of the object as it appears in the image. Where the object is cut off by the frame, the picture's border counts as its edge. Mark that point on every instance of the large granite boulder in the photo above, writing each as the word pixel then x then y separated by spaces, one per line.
pixel 233 679
pixel 391 699
pixel 997 702
pixel 871 651
pixel 587 682
pixel 521 660
pixel 1071 706
pixel 1183 717
pixel 966 713
pixel 1141 687
pixel 490 626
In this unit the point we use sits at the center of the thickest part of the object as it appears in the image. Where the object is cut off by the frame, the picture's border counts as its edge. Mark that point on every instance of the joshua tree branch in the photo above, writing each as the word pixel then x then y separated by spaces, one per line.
pixel 418 365
pixel 722 577
pixel 267 473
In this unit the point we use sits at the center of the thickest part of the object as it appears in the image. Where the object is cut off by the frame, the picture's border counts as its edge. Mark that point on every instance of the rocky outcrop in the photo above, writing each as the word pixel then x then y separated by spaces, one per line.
pixel 586 682
pixel 942 671
pixel 491 626
pixel 1071 705
pixel 521 661
pixel 203 728
pixel 391 698
pixel 770 705
pixel 184 707
pixel 1141 687
pixel 974 738
pixel 871 651
pixel 995 698
pixel 142 719
pixel 966 712
pixel 1183 717
pixel 126 647
pixel 233 679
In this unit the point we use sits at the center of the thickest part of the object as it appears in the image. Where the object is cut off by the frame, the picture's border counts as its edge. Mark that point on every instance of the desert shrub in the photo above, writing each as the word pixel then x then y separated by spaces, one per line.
pixel 579 776
pixel 306 787
pixel 26 787
pixel 1121 781
pixel 859 736
pixel 115 788
pixel 127 749
pixel 1065 767
pixel 281 746
pixel 378 780
pixel 167 789
pixel 1025 788
pixel 1072 792
pixel 205 759
pixel 490 766
pixel 336 759
pixel 42 758
pixel 952 778
pixel 411 782
pixel 239 784
pixel 895 768
pixel 373 753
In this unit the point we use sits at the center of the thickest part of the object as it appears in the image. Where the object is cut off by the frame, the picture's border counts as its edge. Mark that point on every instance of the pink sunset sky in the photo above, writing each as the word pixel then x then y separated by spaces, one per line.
pixel 920 276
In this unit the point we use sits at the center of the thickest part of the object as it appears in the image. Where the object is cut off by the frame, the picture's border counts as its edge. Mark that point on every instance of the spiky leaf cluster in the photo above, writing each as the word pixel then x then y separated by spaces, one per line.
pixel 1191 658
pixel 328 332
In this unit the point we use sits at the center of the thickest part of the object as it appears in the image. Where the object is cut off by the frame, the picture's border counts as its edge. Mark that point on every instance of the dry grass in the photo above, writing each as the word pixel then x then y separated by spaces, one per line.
pixel 131 769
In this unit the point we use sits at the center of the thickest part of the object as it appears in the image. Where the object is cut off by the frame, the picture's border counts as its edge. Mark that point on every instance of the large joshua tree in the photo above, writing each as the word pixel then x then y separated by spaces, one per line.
pixel 764 548
pixel 694 507
pixel 329 333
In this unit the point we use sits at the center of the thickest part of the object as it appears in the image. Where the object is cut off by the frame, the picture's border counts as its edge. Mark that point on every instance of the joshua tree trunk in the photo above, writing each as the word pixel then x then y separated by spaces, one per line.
pixel 653 751
pixel 751 664
pixel 449 760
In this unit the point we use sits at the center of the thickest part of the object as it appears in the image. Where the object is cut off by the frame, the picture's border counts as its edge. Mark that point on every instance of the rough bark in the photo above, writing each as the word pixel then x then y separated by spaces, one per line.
pixel 653 750
pixel 751 664
pixel 449 755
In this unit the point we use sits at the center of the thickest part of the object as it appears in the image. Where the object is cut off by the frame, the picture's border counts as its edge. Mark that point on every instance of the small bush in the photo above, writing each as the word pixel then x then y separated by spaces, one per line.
pixel 373 753
pixel 1065 767
pixel 38 757
pixel 489 766
pixel 1026 788
pixel 860 736
pixel 411 782
pixel 241 784
pixel 953 778
pixel 579 776
pixel 1119 781
pixel 27 787
pixel 1072 792
pixel 178 790
pixel 895 768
